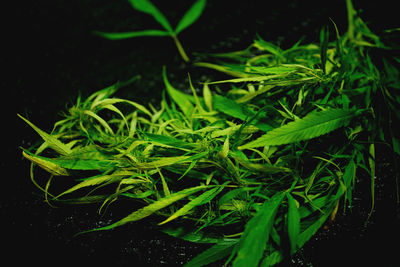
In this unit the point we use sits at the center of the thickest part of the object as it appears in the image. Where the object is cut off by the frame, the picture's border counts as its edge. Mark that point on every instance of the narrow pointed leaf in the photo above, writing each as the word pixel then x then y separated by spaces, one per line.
pixel 207 96
pixel 170 141
pixel 256 234
pixel 81 159
pixel 97 180
pixel 193 203
pixel 191 15
pixel 311 126
pixel 147 7
pixel 293 223
pixel 239 111
pixel 126 35
pixel 100 120
pixel 214 253
pixel 153 207
pixel 181 99
pixel 45 164
pixel 313 228
pixel 52 141
pixel 348 177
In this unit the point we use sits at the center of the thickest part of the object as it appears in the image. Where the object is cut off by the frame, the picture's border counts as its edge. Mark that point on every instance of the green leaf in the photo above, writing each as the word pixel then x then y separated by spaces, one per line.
pixel 181 99
pixel 273 258
pixel 191 15
pixel 86 158
pixel 189 233
pixel 324 39
pixel 313 125
pixel 52 141
pixel 396 145
pixel 214 253
pixel 96 180
pixel 170 141
pixel 153 207
pixel 47 165
pixel 239 111
pixel 225 148
pixel 234 193
pixel 314 227
pixel 348 177
pixel 207 96
pixel 147 7
pixel 293 223
pixel 200 200
pixel 126 35
pixel 256 234
pixel 100 120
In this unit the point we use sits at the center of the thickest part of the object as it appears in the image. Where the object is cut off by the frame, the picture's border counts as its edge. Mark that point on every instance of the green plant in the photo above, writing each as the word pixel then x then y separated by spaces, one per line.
pixel 256 162
pixel 147 7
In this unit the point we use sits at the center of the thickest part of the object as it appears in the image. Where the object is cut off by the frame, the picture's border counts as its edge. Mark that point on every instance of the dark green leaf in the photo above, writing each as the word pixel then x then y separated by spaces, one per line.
pixel 216 252
pixel 256 234
pixel 170 141
pixel 313 228
pixel 293 223
pixel 239 111
pixel 324 39
pixel 348 177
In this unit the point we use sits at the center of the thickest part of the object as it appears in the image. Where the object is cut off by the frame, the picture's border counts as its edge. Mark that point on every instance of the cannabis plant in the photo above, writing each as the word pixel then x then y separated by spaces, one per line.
pixel 255 164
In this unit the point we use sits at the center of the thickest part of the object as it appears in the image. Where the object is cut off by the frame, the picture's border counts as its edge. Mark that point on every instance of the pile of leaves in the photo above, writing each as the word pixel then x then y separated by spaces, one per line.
pixel 254 165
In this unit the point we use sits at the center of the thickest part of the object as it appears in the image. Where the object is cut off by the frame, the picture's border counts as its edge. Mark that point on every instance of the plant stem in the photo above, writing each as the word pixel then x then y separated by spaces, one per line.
pixel 180 48
pixel 350 19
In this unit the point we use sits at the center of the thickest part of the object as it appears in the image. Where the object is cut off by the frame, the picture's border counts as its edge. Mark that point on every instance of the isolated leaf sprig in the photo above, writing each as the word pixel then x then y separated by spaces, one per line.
pixel 146 6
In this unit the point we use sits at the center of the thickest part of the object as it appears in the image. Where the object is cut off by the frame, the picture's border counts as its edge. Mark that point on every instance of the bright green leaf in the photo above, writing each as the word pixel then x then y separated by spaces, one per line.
pixel 181 99
pixel 193 203
pixel 311 126
pixel 153 207
pixel 52 141
pixel 126 35
pixel 191 15
pixel 147 7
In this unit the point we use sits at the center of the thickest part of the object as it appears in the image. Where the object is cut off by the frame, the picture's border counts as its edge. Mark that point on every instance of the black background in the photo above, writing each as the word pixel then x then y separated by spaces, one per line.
pixel 50 56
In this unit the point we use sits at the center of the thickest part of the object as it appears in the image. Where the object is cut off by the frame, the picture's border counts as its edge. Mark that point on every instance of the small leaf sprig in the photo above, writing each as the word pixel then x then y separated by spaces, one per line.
pixel 146 6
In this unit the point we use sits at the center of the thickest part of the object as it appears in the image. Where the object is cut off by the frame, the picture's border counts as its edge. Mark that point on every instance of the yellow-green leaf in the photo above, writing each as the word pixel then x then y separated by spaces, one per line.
pixel 153 207
pixel 45 164
pixel 52 141
pixel 181 99
pixel 195 202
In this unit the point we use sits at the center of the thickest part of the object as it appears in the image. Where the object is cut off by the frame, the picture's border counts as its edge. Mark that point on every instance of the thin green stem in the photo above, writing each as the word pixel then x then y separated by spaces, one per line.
pixel 180 48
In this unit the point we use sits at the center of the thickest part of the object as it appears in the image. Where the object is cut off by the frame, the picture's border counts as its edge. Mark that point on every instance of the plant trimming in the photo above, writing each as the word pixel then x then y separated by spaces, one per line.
pixel 254 164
